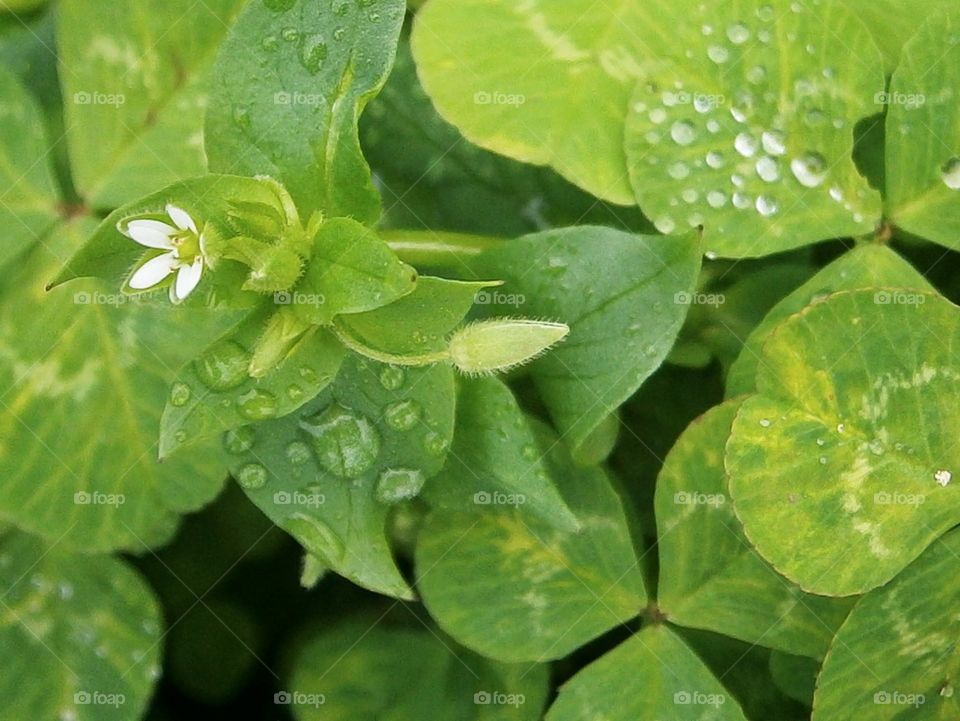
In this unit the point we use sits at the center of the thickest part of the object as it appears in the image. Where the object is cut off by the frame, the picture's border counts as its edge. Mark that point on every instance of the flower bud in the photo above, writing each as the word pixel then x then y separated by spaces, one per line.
pixel 496 345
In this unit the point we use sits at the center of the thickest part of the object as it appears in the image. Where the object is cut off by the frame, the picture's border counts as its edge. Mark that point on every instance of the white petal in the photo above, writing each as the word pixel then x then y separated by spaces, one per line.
pixel 152 272
pixel 151 233
pixel 187 278
pixel 181 218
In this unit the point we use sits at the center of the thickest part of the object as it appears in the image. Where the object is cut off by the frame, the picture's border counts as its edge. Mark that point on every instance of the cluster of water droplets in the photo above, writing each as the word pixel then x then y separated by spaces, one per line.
pixel 730 154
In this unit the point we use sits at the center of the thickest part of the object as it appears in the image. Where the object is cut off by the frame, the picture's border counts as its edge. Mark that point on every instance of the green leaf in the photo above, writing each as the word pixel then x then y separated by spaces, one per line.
pixel 487 461
pixel 512 586
pixel 330 474
pixel 848 447
pixel 865 266
pixel 364 670
pixel 710 576
pixel 212 202
pixel 752 136
pixel 30 196
pixel 676 685
pixel 796 676
pixel 893 22
pixel 134 86
pixel 895 657
pixel 83 383
pixel 215 393
pixel 80 634
pixel 923 135
pixel 420 322
pixel 619 295
pixel 289 87
pixel 351 271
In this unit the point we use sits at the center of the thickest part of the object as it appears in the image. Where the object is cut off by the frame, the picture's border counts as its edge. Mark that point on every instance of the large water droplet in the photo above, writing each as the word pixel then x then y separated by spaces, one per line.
pixel 257 405
pixel 252 476
pixel 683 132
pixel 399 484
pixel 716 198
pixel 239 440
pixel 402 415
pixel 810 169
pixel 298 453
pixel 223 367
pixel 179 394
pixel 718 54
pixel 313 52
pixel 767 206
pixel 434 444
pixel 715 160
pixel 767 169
pixel 678 170
pixel 950 172
pixel 316 536
pixel 738 33
pixel 746 145
pixel 392 377
pixel 346 444
pixel 774 142
pixel 291 35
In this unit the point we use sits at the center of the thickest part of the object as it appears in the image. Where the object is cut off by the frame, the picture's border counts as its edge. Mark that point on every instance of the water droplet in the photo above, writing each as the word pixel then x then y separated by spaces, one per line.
pixel 767 206
pixel 713 126
pixel 683 132
pixel 841 428
pixel 757 74
pixel 741 201
pixel 658 115
pixel 399 484
pixel 768 170
pixel 346 444
pixel 434 444
pixel 765 422
pixel 665 225
pixel 774 142
pixel 746 145
pixel 392 377
pixel 270 43
pixel 291 35
pixel 765 13
pixel 950 172
pixel 316 536
pixel 402 415
pixel 823 460
pixel 530 453
pixel 718 54
pixel 65 590
pixel 738 33
pixel 252 476
pixel 943 477
pixel 241 116
pixel 298 453
pixel 257 405
pixel 339 34
pixel 313 52
pixel 239 440
pixel 179 394
pixel 716 199
pixel 678 170
pixel 810 169
pixel 836 194
pixel 223 367
pixel 690 196
pixel 295 392
pixel 715 160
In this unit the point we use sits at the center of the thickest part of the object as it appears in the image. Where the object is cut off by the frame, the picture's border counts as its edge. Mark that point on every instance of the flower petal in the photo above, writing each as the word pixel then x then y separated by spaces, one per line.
pixel 181 218
pixel 187 279
pixel 151 233
pixel 152 272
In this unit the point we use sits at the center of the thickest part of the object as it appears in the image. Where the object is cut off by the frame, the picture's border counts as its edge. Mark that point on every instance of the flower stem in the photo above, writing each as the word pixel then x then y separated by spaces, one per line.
pixel 427 248
pixel 361 348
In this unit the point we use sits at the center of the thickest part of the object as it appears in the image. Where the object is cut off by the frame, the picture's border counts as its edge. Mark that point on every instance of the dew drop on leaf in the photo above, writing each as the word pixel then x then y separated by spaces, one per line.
pixel 745 144
pixel 316 536
pixel 313 52
pixel 298 453
pixel 718 54
pixel 179 394
pixel 294 392
pixel 768 169
pixel 810 169
pixel 392 377
pixel 346 444
pixel 943 477
pixel 434 444
pixel 252 476
pixel 399 484
pixel 239 440
pixel 683 132
pixel 223 367
pixel 773 142
pixel 738 33
pixel 767 206
pixel 402 415
pixel 291 35
pixel 950 172
pixel 257 405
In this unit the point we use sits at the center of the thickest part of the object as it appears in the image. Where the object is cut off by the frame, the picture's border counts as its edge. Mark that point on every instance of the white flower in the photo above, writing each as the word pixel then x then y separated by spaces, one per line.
pixel 184 246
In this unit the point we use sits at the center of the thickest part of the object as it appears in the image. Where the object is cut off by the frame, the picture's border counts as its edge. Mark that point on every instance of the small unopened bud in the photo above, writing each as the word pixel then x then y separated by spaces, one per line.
pixel 496 345
pixel 283 331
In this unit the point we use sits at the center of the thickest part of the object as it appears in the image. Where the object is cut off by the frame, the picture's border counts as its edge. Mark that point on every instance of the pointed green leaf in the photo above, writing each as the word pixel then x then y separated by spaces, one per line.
pixel 864 266
pixel 489 461
pixel 29 197
pixel 351 271
pixel 669 680
pixel 894 22
pixel 511 586
pixel 923 134
pixel 710 576
pixel 751 135
pixel 82 386
pixel 330 474
pixel 134 87
pixel 841 467
pixel 623 298
pixel 215 393
pixel 289 87
pixel 895 657
pixel 363 670
pixel 80 635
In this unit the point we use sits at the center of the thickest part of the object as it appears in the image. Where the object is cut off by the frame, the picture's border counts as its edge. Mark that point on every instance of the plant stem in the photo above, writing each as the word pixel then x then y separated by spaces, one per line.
pixel 427 248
